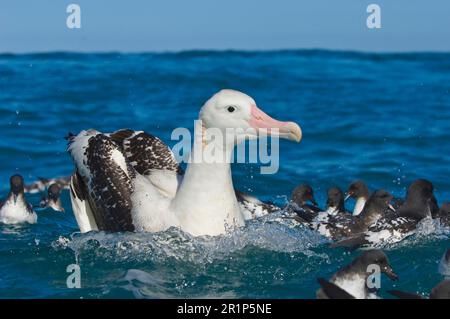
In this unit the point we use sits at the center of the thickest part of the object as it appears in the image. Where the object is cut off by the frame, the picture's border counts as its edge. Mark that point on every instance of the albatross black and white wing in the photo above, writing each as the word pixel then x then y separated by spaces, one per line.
pixel 101 188
pixel 123 178
pixel 107 166
pixel 152 158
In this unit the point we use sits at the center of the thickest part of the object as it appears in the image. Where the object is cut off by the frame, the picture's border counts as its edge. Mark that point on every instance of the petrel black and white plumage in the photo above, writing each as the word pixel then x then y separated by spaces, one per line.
pixel 253 207
pixel 396 225
pixel 352 279
pixel 359 191
pixel 15 209
pixel 130 181
pixel 376 207
pixel 303 204
pixel 335 213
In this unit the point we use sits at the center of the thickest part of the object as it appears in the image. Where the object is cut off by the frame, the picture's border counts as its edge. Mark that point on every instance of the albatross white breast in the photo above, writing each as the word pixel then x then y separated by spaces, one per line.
pixel 130 181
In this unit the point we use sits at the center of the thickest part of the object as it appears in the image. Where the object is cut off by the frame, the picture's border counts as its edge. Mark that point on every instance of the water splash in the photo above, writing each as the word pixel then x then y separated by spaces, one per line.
pixel 266 233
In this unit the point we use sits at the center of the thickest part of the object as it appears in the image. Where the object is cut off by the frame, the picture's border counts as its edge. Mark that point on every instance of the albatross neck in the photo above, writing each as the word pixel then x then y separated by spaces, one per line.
pixel 205 203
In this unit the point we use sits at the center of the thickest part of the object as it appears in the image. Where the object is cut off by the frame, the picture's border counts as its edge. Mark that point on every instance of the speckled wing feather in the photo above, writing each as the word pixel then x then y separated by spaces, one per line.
pixel 106 177
pixel 305 214
pixel 400 224
pixel 343 228
pixel 151 158
pixel 146 152
pixel 110 187
pixel 388 229
pixel 253 207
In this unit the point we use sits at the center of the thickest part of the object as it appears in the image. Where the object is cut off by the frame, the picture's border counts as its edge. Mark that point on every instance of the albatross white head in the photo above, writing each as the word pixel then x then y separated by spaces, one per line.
pixel 205 202
pixel 238 113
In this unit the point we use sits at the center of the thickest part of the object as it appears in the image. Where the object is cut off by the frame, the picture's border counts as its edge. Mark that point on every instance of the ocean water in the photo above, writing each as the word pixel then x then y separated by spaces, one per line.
pixel 384 118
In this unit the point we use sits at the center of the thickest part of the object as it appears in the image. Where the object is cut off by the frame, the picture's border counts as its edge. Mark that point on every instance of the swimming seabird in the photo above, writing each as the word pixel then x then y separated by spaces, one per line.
pixel 53 198
pixel 303 204
pixel 335 204
pixel 353 277
pixel 129 180
pixel 335 212
pixel 358 190
pixel 396 225
pixel 376 207
pixel 15 208
pixel 420 201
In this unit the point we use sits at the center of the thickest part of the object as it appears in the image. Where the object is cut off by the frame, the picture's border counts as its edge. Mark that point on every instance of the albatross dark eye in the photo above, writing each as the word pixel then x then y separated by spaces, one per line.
pixel 231 109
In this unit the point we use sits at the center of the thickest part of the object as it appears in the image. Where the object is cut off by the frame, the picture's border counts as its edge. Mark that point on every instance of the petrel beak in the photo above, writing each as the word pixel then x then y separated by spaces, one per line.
pixel 288 130
pixel 391 207
pixel 347 197
pixel 390 273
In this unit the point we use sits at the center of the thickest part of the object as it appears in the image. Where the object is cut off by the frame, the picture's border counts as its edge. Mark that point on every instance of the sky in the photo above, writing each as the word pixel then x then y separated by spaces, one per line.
pixel 174 25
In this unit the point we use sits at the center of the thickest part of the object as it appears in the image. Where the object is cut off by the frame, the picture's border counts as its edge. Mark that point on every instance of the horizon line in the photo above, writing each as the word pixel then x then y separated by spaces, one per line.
pixel 231 50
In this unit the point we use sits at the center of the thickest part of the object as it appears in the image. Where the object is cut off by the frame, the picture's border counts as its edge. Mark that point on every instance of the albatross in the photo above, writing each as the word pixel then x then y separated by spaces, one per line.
pixel 130 181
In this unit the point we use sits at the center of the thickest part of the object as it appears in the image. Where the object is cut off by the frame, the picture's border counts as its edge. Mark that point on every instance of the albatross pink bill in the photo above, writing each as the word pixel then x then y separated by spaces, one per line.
pixel 288 130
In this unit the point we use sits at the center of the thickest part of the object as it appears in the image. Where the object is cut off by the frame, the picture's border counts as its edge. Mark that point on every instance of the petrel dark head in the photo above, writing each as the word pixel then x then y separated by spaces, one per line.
pixel 52 199
pixel 420 201
pixel 420 188
pixel 357 189
pixel 53 192
pixel 302 194
pixel 335 198
pixel 380 199
pixel 376 257
pixel 16 184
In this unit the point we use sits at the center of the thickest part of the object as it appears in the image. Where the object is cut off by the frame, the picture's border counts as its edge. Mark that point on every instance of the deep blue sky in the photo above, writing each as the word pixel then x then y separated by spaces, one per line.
pixel 160 25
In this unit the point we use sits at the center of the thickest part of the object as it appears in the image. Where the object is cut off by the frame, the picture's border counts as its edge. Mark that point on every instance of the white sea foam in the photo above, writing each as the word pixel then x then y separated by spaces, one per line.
pixel 265 233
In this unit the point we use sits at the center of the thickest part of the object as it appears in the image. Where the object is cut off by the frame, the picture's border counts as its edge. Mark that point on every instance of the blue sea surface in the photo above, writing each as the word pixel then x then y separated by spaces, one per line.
pixel 383 118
